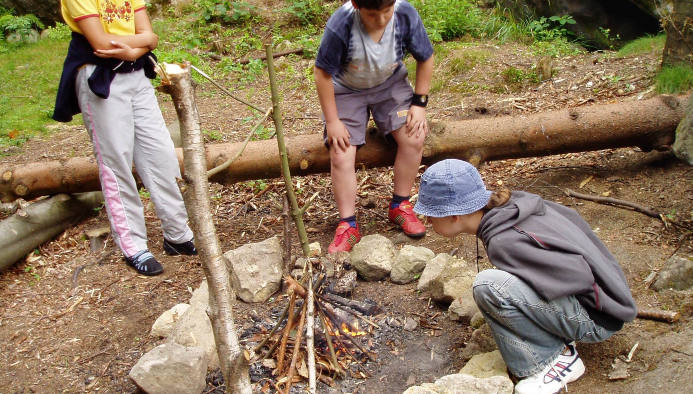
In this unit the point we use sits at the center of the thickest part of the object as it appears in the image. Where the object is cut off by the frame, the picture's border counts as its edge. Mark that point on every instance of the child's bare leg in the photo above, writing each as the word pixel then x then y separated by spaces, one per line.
pixel 343 170
pixel 408 159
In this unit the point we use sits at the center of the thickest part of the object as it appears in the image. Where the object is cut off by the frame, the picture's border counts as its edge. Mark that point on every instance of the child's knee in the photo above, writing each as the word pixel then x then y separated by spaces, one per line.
pixel 484 284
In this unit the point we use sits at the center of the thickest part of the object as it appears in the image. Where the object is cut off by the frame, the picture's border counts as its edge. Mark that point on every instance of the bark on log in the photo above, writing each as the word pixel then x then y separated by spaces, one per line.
pixel 234 363
pixel 648 124
pixel 39 222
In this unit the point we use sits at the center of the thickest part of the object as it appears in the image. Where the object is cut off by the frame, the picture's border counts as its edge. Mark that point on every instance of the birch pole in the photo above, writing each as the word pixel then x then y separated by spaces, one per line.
pixel 195 189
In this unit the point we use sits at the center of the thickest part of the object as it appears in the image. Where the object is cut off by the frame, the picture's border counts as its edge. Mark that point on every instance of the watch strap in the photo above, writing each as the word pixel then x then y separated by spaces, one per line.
pixel 420 100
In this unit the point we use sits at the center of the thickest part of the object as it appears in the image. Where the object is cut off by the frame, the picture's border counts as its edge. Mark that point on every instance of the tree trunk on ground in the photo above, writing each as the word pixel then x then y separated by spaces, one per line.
pixel 233 360
pixel 649 124
pixel 678 48
pixel 39 222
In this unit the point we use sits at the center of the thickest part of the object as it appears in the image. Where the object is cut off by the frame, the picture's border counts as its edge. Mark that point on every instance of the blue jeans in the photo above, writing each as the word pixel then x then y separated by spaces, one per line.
pixel 530 331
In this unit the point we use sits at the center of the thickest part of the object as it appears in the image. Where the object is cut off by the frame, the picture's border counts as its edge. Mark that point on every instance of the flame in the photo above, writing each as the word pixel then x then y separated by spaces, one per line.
pixel 354 331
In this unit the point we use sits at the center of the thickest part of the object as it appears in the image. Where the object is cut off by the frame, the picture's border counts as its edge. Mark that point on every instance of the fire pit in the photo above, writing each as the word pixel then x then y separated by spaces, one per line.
pixel 342 328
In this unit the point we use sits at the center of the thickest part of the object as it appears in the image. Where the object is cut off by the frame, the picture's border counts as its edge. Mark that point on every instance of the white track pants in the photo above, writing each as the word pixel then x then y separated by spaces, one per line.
pixel 127 127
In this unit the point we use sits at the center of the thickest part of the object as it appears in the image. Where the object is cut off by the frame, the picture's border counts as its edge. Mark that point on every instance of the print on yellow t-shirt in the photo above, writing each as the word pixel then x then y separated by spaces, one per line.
pixel 116 16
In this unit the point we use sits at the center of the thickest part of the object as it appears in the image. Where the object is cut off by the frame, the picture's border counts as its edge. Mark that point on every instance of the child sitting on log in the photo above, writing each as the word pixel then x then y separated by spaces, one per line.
pixel 106 78
pixel 556 282
pixel 359 72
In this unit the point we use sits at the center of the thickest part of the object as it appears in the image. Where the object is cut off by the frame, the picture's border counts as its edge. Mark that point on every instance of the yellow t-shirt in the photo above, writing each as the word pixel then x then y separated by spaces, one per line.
pixel 117 16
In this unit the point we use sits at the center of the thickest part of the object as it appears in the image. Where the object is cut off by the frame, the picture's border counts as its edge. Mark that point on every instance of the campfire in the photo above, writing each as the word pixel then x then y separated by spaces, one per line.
pixel 338 345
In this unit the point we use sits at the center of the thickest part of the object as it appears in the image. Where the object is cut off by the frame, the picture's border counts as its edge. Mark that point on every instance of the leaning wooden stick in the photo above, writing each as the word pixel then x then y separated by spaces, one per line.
pixel 653 314
pixel 613 201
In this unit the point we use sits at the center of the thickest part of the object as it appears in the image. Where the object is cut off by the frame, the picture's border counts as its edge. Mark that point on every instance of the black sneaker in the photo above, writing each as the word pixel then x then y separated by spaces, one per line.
pixel 186 248
pixel 145 264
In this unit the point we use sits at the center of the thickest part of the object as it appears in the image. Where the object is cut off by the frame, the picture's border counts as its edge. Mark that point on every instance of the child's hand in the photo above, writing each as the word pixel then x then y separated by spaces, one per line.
pixel 338 135
pixel 120 51
pixel 416 121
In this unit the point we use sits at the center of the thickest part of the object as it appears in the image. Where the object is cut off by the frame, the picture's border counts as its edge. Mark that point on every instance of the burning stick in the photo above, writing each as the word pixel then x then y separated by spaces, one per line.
pixel 330 346
pixel 330 314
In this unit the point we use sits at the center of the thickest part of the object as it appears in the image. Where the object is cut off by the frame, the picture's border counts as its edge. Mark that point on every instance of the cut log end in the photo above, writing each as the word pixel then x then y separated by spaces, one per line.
pixel 6 176
pixel 21 190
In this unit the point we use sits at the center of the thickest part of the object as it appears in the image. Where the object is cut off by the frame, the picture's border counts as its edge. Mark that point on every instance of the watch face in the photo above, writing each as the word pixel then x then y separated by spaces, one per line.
pixel 424 98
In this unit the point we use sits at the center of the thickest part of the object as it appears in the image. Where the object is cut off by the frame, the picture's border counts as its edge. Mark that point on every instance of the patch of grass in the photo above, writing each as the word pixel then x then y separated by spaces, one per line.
pixel 675 80
pixel 467 61
pixel 643 45
pixel 29 77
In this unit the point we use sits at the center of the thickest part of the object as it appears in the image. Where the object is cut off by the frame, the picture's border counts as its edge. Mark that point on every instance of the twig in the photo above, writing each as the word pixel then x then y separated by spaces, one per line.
pixel 274 329
pixel 613 201
pixel 297 348
pixel 285 335
pixel 287 239
pixel 347 309
pixel 223 89
pixel 277 54
pixel 622 203
pixel 228 162
pixel 310 331
pixel 328 338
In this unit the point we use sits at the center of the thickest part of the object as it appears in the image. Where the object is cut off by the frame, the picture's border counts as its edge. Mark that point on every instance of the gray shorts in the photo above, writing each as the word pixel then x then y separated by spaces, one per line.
pixel 388 103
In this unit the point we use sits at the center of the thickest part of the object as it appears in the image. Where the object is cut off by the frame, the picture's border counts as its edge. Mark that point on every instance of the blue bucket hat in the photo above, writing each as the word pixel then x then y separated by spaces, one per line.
pixel 451 187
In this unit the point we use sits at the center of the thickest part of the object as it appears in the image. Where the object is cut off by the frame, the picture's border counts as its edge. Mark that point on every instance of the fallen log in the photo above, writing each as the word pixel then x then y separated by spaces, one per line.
pixel 648 124
pixel 39 222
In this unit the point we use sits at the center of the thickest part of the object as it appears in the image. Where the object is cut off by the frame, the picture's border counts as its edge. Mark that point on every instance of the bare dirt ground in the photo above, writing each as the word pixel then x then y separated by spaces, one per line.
pixel 73 321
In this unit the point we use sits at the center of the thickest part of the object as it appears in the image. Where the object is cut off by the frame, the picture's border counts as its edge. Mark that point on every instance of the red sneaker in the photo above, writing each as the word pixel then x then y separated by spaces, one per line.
pixel 345 238
pixel 404 216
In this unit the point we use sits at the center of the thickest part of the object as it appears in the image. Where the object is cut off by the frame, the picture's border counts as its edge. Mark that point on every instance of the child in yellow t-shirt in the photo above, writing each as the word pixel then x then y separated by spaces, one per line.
pixel 105 77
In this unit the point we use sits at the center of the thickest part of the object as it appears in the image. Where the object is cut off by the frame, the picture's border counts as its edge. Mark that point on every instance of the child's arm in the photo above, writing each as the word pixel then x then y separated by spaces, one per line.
pixel 121 50
pixel 416 119
pixel 337 133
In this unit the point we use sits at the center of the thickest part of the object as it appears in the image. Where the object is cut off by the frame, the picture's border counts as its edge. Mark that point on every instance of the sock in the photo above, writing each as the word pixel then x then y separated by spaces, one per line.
pixel 396 200
pixel 351 220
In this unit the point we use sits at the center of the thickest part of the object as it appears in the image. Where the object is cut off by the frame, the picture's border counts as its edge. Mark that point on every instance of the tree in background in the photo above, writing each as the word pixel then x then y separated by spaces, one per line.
pixel 679 27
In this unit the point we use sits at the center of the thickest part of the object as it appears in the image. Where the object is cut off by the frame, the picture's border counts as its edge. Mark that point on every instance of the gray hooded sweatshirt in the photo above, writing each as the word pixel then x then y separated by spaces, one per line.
pixel 555 251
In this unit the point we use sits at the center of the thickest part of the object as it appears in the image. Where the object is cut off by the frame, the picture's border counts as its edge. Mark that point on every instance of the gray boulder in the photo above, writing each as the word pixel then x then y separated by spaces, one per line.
pixel 256 269
pixel 446 278
pixel 467 384
pixel 163 326
pixel 410 263
pixel 677 274
pixel 683 145
pixel 373 257
pixel 463 308
pixel 171 369
pixel 486 365
pixel 194 329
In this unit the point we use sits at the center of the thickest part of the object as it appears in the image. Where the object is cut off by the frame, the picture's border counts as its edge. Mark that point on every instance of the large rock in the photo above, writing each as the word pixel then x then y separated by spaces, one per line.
pixel 163 326
pixel 463 308
pixel 200 297
pixel 256 269
pixel 486 365
pixel 410 263
pixel 481 342
pixel 677 274
pixel 171 369
pixel 683 145
pixel 428 388
pixel 446 278
pixel 467 384
pixel 627 19
pixel 373 257
pixel 194 329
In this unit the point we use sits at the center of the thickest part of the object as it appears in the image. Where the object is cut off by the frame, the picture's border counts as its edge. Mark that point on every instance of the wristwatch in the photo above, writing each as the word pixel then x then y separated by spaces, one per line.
pixel 420 100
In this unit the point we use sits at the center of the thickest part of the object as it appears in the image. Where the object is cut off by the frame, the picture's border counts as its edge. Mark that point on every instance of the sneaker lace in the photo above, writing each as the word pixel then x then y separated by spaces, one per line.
pixel 558 376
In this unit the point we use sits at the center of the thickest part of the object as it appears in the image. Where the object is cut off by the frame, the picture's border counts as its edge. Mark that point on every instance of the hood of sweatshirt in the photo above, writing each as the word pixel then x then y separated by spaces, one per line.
pixel 555 251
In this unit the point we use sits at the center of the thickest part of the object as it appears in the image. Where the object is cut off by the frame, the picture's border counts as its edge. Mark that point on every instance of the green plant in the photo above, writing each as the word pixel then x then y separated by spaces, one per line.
pixel 144 193
pixel 60 31
pixel 549 29
pixel 643 45
pixel 224 11
pixel 675 79
pixel 307 12
pixel 448 19
pixel 23 26
pixel 213 135
pixel 606 33
pixel 31 270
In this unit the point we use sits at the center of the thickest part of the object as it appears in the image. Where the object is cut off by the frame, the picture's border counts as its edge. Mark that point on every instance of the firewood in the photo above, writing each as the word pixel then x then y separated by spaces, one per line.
pixel 659 315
